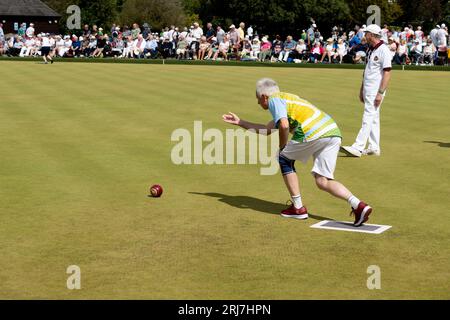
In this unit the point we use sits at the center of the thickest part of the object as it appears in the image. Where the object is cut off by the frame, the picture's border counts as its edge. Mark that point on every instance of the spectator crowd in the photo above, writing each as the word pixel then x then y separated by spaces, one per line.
pixel 408 46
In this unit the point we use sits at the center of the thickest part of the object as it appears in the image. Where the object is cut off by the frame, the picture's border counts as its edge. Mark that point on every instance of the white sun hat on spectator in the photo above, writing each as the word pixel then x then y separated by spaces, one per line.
pixel 314 25
pixel 232 26
pixel 374 29
pixel 443 25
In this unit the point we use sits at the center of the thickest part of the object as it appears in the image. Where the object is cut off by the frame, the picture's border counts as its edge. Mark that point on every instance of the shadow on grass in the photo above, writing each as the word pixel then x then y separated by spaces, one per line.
pixel 440 144
pixel 244 202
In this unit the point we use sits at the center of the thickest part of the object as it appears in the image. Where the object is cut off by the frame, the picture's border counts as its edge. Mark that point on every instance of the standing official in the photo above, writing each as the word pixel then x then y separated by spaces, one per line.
pixel 373 89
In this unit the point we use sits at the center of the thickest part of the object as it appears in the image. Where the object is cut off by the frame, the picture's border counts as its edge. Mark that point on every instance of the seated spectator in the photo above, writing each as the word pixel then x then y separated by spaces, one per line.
pixel 213 48
pixel 27 47
pixel 316 52
pixel 360 51
pixel 354 41
pixel 224 47
pixel 210 33
pixel 182 47
pixel 246 48
pixel 117 46
pixel 75 49
pixel 128 50
pixel 300 53
pixel 151 48
pixel 341 51
pixel 101 44
pixel 203 47
pixel 255 49
pixel 67 44
pixel 166 48
pixel 329 51
pixel 288 48
pixel 402 53
pixel 60 50
pixel 277 47
pixel 17 46
pixel 416 52
pixel 266 49
pixel 392 45
pixel 429 51
pixel 139 47
pixel 85 47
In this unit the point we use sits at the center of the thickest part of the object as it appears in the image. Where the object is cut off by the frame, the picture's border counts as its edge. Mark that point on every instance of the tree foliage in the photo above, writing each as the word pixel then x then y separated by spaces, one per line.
pixel 157 13
pixel 266 16
pixel 390 10
pixel 100 12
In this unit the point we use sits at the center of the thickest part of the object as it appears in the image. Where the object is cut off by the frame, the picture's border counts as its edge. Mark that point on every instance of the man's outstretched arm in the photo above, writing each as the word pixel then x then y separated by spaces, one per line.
pixel 259 128
pixel 283 129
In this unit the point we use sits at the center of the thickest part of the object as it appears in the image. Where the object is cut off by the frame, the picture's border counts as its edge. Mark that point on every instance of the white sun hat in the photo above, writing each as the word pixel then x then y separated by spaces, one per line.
pixel 373 28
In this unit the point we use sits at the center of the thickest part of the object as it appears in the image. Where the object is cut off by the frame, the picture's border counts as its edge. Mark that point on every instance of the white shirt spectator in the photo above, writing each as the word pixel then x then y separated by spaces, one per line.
pixel 384 34
pixel 250 32
pixel 300 48
pixel 46 42
pixel 419 35
pixel 442 37
pixel 224 46
pixel 26 49
pixel 434 37
pixel 139 46
pixel 170 34
pixel 417 48
pixel 402 49
pixel 30 31
pixel 341 49
pixel 197 33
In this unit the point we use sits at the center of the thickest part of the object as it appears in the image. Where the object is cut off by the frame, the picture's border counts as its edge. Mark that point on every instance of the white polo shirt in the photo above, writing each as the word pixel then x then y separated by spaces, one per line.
pixel 45 42
pixel 377 60
pixel 197 33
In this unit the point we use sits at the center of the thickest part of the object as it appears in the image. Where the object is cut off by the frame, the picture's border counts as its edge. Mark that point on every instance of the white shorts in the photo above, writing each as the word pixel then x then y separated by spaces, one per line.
pixel 324 152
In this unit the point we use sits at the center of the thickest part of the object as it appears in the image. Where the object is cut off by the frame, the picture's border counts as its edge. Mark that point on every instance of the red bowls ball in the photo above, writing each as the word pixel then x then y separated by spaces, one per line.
pixel 156 191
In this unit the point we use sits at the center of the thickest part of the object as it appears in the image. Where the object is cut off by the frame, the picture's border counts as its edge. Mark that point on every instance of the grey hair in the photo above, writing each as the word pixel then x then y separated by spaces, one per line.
pixel 267 87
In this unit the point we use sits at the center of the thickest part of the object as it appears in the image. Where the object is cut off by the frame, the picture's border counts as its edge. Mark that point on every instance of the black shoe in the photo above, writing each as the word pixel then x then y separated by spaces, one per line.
pixel 51 61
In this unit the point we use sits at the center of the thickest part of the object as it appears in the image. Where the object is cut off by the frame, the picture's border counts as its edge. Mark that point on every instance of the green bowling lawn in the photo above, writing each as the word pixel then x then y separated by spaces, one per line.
pixel 80 144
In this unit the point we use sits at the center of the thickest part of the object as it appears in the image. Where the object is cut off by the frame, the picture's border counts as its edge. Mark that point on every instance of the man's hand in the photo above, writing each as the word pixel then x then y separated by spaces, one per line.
pixel 361 95
pixel 231 118
pixel 378 100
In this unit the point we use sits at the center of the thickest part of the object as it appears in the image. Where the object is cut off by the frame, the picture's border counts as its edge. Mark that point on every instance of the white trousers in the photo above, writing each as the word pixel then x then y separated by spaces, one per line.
pixel 284 55
pixel 370 129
